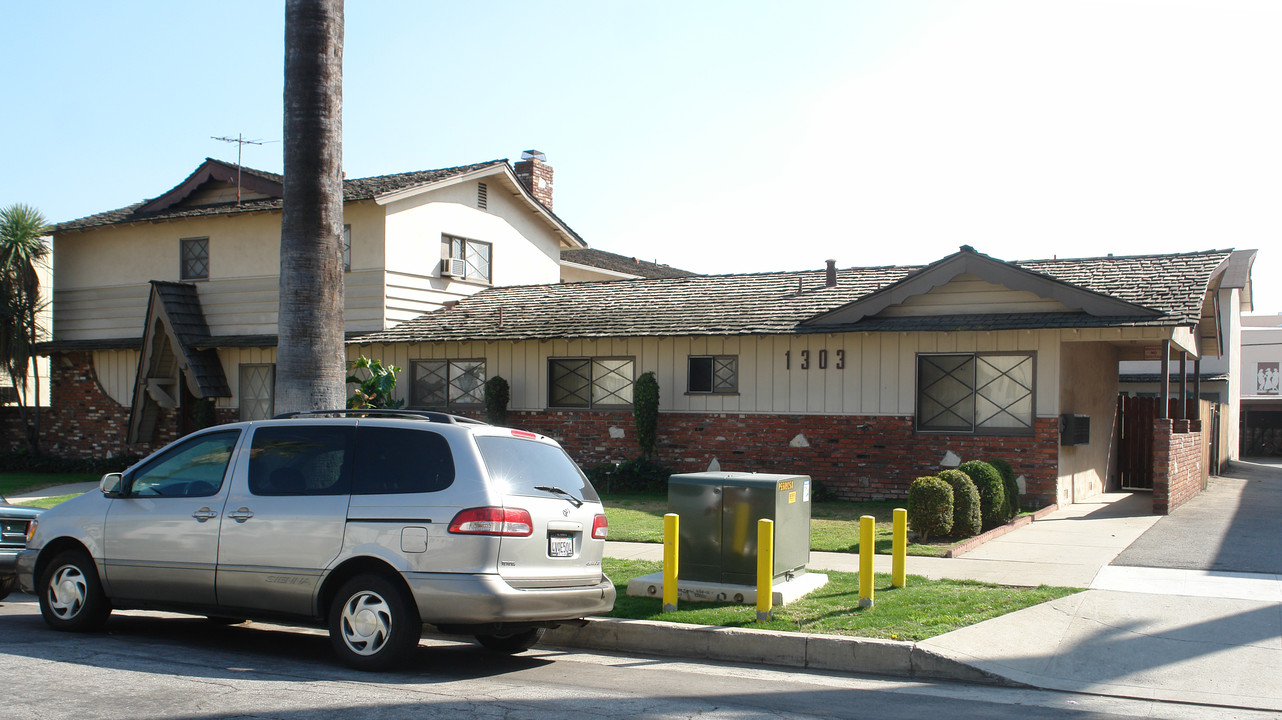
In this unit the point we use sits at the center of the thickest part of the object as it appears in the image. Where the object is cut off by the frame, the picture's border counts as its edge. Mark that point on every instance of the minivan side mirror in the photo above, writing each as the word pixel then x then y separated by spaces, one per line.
pixel 112 484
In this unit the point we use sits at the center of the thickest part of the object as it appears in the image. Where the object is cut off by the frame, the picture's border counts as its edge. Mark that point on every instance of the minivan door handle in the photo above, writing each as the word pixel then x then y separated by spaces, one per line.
pixel 204 514
pixel 240 515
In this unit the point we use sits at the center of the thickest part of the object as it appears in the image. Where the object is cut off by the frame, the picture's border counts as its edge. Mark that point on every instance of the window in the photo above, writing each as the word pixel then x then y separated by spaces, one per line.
pixel 301 460
pixel 257 392
pixel 975 392
pixel 195 258
pixel 347 248
pixel 713 374
pixel 193 469
pixel 396 460
pixel 474 254
pixel 520 466
pixel 590 382
pixel 447 383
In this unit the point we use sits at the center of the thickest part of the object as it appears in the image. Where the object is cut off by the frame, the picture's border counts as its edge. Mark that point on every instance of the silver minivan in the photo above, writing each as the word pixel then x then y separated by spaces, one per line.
pixel 374 523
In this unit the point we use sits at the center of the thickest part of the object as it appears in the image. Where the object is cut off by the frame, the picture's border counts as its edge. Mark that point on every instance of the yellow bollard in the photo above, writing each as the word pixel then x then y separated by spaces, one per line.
pixel 671 534
pixel 867 536
pixel 899 570
pixel 765 569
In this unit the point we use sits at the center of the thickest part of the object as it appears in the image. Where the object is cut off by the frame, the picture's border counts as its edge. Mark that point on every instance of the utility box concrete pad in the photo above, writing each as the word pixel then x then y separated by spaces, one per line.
pixel 719 513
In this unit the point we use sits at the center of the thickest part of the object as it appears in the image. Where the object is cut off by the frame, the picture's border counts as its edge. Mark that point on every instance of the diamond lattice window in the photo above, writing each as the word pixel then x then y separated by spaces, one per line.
pixel 590 382
pixel 447 383
pixel 195 258
pixel 975 392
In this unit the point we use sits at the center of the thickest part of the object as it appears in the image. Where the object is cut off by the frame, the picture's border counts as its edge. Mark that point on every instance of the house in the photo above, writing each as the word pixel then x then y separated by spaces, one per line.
pixel 1261 399
pixel 164 312
pixel 863 378
pixel 1219 376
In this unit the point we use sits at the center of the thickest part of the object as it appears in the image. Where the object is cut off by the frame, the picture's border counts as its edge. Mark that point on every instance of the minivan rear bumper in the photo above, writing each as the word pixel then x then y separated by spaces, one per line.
pixel 460 598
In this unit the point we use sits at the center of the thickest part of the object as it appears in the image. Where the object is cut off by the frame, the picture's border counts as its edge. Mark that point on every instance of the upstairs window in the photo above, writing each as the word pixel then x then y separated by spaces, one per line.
pixel 447 383
pixel 468 259
pixel 988 393
pixel 713 374
pixel 195 258
pixel 590 382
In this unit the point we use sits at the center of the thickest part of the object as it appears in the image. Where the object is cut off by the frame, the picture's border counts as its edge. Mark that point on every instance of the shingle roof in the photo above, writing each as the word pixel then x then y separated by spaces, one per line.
pixel 181 305
pixel 774 303
pixel 621 263
pixel 353 190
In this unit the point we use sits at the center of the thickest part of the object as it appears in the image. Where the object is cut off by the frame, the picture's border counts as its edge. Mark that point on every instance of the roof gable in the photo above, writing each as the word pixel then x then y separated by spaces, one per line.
pixel 1062 296
pixel 214 171
pixel 170 357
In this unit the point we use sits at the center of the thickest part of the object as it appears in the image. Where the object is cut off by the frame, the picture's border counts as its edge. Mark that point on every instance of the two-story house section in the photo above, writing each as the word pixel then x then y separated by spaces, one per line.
pixel 168 307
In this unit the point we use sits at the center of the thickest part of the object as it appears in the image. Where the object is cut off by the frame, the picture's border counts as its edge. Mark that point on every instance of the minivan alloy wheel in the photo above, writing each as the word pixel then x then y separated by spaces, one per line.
pixel 367 622
pixel 67 592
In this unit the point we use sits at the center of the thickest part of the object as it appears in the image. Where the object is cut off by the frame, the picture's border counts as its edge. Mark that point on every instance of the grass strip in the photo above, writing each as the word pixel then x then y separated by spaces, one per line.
pixel 834 526
pixel 16 483
pixel 923 609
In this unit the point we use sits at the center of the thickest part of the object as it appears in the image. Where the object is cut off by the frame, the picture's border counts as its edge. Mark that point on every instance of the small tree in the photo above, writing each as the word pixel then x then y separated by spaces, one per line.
pixel 645 410
pixel 21 251
pixel 497 395
pixel 373 387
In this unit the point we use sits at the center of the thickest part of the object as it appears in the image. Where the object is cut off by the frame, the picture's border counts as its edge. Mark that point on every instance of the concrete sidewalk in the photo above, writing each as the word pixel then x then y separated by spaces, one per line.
pixel 1174 634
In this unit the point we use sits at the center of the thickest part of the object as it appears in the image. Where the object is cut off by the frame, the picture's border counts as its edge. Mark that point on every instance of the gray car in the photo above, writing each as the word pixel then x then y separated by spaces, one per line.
pixel 373 523
pixel 14 523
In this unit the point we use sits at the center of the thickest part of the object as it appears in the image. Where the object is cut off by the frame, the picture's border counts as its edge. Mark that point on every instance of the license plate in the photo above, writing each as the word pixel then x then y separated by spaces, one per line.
pixel 560 546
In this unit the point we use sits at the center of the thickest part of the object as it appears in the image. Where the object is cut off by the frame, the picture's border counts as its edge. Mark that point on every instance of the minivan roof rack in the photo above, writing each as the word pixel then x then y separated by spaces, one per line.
pixel 428 415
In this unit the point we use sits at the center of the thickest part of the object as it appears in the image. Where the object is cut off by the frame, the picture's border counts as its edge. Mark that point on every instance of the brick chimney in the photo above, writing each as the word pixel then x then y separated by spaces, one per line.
pixel 831 278
pixel 536 175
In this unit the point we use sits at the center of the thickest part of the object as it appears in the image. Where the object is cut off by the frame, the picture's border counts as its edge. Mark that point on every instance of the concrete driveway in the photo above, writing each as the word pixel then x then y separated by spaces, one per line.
pixel 1190 612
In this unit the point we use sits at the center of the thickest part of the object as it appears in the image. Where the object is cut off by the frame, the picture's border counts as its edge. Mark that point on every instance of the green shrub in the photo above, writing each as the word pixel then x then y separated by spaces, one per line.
pixel 636 475
pixel 930 507
pixel 497 395
pixel 23 461
pixel 645 410
pixel 1012 487
pixel 992 492
pixel 966 518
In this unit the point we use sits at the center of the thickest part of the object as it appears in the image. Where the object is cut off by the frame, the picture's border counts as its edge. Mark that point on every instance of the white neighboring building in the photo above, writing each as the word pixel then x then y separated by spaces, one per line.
pixel 1261 398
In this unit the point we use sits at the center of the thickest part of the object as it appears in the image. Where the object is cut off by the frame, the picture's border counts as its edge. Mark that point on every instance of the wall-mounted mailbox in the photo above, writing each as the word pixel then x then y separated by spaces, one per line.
pixel 1074 429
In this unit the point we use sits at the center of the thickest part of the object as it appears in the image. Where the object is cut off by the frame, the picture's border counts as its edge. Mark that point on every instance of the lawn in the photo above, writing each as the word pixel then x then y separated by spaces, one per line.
pixel 45 502
pixel 834 526
pixel 923 609
pixel 13 483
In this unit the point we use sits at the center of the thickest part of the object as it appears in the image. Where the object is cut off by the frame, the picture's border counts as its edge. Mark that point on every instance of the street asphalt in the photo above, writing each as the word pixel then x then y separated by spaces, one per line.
pixel 1182 608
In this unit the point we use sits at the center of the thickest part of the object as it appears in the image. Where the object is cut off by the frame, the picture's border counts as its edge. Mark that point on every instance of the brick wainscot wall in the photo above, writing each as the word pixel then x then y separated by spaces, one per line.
pixel 1177 463
pixel 854 457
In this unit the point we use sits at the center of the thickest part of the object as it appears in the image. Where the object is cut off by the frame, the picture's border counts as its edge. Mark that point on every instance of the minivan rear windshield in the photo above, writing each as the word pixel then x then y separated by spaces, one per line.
pixel 517 466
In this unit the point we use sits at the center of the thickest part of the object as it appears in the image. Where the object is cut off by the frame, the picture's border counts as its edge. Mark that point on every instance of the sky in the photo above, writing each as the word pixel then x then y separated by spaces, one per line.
pixel 712 136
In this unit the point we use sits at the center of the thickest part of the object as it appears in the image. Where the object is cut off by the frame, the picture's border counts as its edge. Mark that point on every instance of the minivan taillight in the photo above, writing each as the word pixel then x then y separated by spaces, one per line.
pixel 493 521
pixel 600 527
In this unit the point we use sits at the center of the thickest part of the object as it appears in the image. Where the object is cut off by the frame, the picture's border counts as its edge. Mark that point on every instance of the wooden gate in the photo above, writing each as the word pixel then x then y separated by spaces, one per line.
pixel 1135 450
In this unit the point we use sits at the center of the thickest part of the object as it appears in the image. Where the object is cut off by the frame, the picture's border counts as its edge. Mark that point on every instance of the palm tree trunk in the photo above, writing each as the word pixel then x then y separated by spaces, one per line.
pixel 309 356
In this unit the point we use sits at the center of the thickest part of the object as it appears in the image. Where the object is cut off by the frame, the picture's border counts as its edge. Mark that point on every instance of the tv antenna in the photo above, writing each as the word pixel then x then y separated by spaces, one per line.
pixel 241 142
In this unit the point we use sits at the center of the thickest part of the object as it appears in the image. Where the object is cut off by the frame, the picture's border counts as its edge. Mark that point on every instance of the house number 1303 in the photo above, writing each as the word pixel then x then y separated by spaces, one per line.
pixel 823 359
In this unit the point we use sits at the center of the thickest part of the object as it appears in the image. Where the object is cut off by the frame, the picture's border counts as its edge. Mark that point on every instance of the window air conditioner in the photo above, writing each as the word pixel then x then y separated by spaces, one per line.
pixel 452 267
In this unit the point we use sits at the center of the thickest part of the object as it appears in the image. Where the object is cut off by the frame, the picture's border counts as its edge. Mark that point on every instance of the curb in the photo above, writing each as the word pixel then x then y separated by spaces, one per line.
pixel 964 547
pixel 767 647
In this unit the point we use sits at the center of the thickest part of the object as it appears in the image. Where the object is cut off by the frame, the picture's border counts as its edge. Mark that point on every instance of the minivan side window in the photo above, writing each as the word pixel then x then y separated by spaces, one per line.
pixel 301 460
pixel 194 468
pixel 399 460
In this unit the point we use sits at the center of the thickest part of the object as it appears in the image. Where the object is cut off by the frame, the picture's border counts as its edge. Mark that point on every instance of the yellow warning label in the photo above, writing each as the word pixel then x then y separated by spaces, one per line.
pixel 785 485
pixel 792 497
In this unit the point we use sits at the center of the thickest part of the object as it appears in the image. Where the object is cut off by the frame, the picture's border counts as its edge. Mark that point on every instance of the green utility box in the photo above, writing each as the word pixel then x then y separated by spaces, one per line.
pixel 719 513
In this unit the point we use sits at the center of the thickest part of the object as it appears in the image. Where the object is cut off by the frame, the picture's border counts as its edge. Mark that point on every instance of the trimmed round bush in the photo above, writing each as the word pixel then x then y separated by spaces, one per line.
pixel 966 519
pixel 930 507
pixel 1012 487
pixel 992 491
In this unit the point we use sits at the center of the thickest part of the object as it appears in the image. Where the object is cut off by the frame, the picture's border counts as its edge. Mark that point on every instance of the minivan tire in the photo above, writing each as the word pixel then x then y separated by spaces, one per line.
pixel 373 622
pixel 511 644
pixel 71 596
